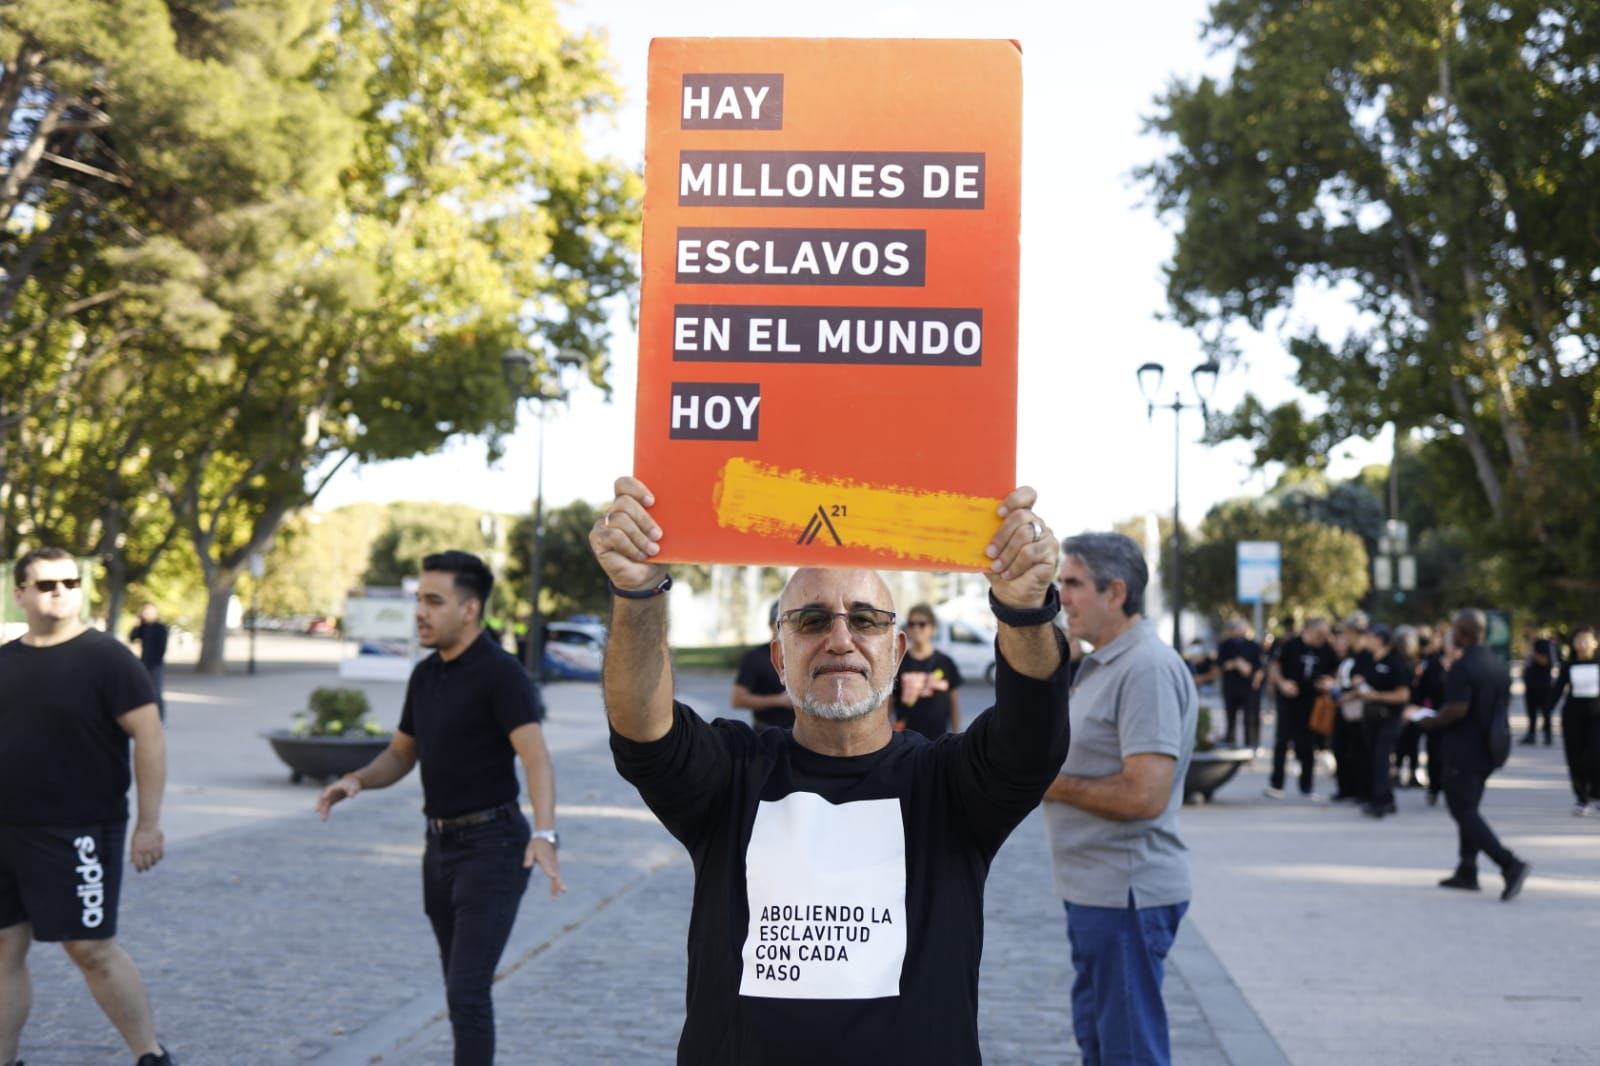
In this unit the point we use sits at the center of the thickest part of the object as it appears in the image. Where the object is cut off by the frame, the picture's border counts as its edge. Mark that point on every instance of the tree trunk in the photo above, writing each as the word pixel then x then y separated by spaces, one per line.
pixel 214 632
pixel 116 591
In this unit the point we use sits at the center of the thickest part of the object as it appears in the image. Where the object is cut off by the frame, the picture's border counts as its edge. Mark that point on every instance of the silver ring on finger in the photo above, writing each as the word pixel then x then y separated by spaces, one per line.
pixel 1038 530
pixel 605 518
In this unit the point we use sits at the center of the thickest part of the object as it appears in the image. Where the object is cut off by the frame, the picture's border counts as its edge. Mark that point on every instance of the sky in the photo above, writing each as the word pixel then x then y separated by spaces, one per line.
pixel 1092 253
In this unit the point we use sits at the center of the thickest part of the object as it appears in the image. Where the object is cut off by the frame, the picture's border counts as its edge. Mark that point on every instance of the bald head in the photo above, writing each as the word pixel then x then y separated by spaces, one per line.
pixel 1468 626
pixel 820 585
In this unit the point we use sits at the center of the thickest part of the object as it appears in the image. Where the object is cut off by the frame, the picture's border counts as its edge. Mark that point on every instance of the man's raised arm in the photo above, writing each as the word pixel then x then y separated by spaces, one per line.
pixel 1022 577
pixel 637 677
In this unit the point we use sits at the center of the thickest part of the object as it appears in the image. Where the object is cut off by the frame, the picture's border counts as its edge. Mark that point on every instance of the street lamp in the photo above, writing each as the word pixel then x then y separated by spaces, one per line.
pixel 521 370
pixel 1204 380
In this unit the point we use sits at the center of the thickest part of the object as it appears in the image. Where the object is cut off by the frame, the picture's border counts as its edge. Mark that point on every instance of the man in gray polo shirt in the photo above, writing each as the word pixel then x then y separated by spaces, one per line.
pixel 1112 814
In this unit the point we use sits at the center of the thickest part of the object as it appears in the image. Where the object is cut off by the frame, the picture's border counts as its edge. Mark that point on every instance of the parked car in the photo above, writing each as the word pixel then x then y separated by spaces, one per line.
pixel 969 645
pixel 573 651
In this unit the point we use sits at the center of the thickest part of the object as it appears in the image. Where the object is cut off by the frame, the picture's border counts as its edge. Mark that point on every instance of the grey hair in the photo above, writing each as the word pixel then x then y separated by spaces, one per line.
pixel 1112 557
pixel 1409 643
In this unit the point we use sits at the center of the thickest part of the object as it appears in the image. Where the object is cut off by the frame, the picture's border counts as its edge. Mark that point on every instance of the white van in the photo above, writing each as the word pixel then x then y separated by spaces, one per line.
pixel 970 646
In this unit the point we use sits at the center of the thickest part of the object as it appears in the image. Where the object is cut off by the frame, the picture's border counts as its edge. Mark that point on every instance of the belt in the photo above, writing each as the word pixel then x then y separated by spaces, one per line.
pixel 461 821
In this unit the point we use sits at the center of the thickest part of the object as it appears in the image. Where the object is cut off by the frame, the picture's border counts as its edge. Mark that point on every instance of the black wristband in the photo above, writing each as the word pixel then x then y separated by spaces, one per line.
pixel 642 594
pixel 1022 617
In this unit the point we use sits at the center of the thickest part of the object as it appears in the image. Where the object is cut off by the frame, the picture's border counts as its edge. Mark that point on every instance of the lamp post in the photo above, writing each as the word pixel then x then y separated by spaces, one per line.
pixel 1204 380
pixel 520 369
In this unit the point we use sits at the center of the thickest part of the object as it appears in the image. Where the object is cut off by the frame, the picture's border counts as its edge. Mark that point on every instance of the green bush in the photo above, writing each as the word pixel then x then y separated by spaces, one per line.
pixel 721 657
pixel 1202 730
pixel 336 712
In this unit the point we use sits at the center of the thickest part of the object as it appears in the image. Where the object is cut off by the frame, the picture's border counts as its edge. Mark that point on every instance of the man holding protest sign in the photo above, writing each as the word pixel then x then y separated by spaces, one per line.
pixel 838 906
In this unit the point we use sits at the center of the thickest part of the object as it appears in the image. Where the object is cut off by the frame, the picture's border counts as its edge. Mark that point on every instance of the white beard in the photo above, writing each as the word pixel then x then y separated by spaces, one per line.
pixel 839 709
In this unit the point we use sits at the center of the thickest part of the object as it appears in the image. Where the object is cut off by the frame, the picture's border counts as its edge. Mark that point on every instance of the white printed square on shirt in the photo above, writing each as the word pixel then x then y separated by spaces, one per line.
pixel 827 889
pixel 1585 680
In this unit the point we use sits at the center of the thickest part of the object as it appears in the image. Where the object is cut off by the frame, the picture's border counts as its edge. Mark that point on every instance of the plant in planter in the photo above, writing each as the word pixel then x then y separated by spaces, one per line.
pixel 332 736
pixel 1210 767
pixel 336 712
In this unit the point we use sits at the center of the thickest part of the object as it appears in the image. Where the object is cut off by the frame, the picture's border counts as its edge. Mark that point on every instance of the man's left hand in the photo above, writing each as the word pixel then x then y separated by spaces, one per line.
pixel 1024 551
pixel 149 845
pixel 542 853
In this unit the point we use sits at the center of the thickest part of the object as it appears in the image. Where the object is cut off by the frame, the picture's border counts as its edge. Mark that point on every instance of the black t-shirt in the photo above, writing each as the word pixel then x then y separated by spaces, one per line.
pixel 1385 675
pixel 1235 684
pixel 152 638
pixel 63 755
pixel 838 902
pixel 928 712
pixel 1478 680
pixel 757 674
pixel 1301 663
pixel 462 713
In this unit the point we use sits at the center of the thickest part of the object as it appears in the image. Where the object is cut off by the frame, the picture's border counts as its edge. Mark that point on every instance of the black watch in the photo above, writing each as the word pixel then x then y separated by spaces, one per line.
pixel 644 593
pixel 1023 617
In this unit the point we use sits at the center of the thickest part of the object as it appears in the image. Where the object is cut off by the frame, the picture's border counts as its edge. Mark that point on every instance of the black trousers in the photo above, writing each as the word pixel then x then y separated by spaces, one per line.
pixel 1352 762
pixel 1580 737
pixel 1380 735
pixel 1537 699
pixel 1463 792
pixel 1433 743
pixel 472 885
pixel 1244 704
pixel 1294 727
pixel 1408 746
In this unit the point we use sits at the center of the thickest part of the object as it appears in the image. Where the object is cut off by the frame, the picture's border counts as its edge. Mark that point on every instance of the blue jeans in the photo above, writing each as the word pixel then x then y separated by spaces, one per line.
pixel 472 885
pixel 1118 959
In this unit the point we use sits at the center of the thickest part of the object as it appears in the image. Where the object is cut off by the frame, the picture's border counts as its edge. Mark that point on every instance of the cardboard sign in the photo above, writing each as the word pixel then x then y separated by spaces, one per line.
pixel 828 328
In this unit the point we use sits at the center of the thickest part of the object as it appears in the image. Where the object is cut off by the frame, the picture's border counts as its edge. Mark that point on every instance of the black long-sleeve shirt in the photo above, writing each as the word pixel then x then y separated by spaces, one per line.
pixel 838 902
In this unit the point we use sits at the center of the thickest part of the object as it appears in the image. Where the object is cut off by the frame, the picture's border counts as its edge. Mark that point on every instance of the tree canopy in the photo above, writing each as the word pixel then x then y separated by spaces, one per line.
pixel 1429 167
pixel 242 245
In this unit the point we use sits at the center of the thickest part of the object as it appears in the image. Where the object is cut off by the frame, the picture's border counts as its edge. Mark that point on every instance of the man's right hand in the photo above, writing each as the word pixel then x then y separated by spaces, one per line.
pixel 1289 688
pixel 347 787
pixel 626 537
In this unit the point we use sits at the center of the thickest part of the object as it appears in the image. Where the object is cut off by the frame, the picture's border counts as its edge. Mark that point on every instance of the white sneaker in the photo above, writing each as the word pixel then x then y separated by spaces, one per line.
pixel 1272 793
pixel 1583 810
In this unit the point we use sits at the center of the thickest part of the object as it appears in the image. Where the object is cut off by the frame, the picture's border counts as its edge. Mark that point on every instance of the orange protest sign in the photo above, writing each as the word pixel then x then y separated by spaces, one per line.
pixel 828 327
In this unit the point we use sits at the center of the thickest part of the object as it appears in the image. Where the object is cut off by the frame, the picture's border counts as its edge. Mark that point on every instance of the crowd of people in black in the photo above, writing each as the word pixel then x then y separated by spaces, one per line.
pixel 1362 695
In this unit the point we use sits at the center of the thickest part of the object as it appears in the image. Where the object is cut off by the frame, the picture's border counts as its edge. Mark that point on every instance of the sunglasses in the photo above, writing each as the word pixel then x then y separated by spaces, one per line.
pixel 861 621
pixel 49 584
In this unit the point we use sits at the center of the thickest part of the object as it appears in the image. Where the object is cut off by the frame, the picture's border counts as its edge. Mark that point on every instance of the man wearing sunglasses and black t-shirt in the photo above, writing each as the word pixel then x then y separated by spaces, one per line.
pixel 70 699
pixel 839 867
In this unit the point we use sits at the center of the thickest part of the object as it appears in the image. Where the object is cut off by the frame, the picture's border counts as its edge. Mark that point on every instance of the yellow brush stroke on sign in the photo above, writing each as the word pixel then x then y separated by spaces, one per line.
pixel 906 524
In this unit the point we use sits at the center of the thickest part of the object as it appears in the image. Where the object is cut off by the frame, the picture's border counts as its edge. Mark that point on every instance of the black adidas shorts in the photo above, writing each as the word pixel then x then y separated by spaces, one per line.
pixel 63 879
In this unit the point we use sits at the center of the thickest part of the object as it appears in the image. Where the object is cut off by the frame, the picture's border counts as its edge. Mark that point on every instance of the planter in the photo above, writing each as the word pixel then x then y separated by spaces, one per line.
pixel 324 758
pixel 1210 770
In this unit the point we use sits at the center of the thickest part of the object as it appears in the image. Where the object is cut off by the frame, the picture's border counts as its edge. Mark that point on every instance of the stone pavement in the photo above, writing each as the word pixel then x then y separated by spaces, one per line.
pixel 269 937
pixel 1335 931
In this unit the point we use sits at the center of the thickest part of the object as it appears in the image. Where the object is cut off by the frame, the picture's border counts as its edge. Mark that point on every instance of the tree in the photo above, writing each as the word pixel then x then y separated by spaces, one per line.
pixel 470 221
pixel 142 142
pixel 1431 165
pixel 1324 568
pixel 418 529
pixel 572 581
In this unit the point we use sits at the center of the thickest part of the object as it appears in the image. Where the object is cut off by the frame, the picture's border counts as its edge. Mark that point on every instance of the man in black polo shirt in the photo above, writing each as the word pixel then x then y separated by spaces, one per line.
pixel 1476 692
pixel 151 636
pixel 470 713
pixel 70 699
pixel 757 688
pixel 1240 659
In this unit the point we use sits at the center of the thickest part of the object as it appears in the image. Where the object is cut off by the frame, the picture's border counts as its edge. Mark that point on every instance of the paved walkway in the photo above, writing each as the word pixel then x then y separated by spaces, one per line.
pixel 269 937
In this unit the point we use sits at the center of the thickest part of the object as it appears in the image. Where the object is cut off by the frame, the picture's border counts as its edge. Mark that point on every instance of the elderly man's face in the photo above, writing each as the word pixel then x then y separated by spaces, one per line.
pixel 847 669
